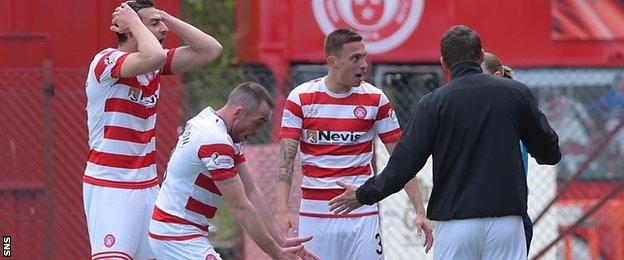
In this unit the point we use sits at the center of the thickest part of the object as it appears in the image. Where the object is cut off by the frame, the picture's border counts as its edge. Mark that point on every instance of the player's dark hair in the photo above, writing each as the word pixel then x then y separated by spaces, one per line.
pixel 460 44
pixel 136 5
pixel 339 37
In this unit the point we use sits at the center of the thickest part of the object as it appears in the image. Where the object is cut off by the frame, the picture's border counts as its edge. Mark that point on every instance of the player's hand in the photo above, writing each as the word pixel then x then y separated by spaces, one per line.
pixel 345 202
pixel 123 17
pixel 289 253
pixel 163 15
pixel 287 222
pixel 307 255
pixel 295 241
pixel 423 225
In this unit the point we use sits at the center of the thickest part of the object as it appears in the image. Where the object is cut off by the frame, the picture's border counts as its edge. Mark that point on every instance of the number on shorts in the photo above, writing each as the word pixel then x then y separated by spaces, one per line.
pixel 380 248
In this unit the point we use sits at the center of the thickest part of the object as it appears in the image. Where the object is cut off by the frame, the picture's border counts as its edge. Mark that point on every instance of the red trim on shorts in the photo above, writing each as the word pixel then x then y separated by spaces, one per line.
pixel 104 254
pixel 319 215
pixel 120 184
pixel 174 238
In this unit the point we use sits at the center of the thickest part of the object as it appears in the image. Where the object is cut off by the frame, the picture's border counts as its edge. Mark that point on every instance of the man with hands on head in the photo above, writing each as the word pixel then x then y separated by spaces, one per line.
pixel 122 89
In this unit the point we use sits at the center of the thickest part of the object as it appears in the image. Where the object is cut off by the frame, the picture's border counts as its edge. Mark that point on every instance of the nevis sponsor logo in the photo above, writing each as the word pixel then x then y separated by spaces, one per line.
pixel 332 137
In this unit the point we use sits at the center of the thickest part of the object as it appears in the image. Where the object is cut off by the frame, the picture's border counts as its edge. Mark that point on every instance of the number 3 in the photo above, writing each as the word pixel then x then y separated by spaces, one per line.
pixel 380 248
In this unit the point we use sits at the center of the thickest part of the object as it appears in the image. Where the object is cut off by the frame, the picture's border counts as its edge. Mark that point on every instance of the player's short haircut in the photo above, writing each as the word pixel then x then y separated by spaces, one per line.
pixel 136 5
pixel 460 44
pixel 339 37
pixel 493 64
pixel 249 95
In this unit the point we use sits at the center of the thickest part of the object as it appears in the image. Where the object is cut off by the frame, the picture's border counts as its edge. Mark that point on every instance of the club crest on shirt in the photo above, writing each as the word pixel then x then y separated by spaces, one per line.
pixel 311 136
pixel 109 240
pixel 359 112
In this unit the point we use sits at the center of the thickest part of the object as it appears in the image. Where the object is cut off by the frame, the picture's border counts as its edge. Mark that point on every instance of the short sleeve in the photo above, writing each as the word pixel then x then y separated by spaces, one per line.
pixel 219 159
pixel 167 68
pixel 292 117
pixel 108 66
pixel 239 156
pixel 386 122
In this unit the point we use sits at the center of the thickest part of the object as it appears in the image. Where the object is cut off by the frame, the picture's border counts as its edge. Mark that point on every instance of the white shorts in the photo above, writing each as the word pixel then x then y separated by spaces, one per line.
pixel 118 221
pixel 480 239
pixel 343 238
pixel 197 248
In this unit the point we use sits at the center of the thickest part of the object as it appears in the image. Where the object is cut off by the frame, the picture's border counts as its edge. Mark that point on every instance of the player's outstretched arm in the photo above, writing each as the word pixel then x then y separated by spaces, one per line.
pixel 247 216
pixel 412 188
pixel 257 198
pixel 150 56
pixel 202 48
pixel 288 151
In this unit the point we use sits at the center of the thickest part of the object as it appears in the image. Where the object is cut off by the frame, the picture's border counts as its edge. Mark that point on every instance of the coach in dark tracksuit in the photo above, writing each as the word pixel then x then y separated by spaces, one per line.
pixel 472 127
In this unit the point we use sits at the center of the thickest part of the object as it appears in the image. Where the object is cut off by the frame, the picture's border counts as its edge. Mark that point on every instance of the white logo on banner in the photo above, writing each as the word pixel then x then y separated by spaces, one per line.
pixel 384 24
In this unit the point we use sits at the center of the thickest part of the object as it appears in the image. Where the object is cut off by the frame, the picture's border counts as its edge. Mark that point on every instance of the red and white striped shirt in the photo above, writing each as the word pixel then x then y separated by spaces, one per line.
pixel 121 116
pixel 336 133
pixel 189 198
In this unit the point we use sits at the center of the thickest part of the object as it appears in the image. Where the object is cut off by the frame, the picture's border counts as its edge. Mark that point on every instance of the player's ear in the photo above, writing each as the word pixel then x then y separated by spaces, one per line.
pixel 239 112
pixel 331 61
pixel 443 64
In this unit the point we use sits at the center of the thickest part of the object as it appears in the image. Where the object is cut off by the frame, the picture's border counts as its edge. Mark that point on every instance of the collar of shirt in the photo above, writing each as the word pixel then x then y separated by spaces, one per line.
pixel 465 68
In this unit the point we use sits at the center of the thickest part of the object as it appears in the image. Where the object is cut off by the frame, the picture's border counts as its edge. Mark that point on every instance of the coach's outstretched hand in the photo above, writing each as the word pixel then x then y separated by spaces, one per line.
pixel 345 202
pixel 423 225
